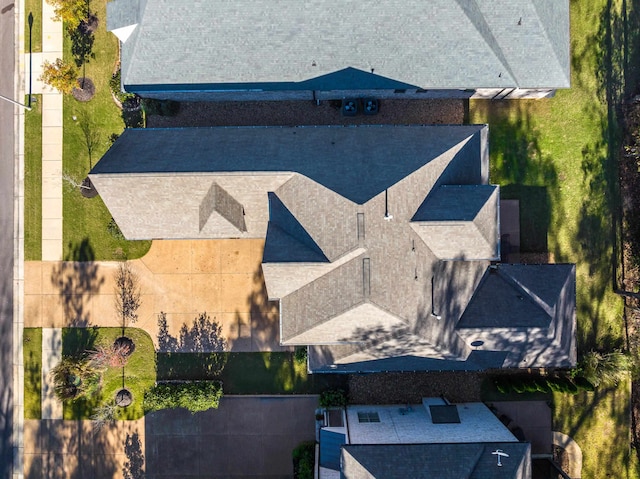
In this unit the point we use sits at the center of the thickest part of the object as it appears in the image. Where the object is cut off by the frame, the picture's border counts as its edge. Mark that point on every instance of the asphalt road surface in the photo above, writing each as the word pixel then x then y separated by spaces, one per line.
pixel 8 50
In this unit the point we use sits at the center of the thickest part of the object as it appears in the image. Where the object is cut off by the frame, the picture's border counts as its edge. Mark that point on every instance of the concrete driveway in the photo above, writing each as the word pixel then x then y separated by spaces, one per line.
pixel 180 278
pixel 248 437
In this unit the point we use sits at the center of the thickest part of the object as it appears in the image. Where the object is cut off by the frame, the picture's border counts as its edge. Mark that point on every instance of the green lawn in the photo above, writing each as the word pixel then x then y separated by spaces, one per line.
pixel 558 157
pixel 249 373
pixel 33 181
pixel 32 357
pixel 87 219
pixel 139 373
pixel 35 8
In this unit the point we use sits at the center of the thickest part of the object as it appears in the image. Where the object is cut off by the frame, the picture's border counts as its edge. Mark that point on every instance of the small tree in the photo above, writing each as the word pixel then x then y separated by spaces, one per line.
pixel 127 291
pixel 113 356
pixel 60 75
pixel 91 135
pixel 75 377
pixel 72 12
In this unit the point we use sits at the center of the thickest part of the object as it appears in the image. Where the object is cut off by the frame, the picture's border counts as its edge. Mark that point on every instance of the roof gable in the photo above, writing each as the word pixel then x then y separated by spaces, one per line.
pixel 283 44
pixel 442 461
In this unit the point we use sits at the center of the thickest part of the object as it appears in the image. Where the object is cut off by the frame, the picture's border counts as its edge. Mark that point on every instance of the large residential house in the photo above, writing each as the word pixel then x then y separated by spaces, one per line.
pixel 382 243
pixel 429 440
pixel 329 49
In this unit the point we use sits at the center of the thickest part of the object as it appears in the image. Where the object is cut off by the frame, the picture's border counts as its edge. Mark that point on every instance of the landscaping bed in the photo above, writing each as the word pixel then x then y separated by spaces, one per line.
pixel 293 113
pixel 138 375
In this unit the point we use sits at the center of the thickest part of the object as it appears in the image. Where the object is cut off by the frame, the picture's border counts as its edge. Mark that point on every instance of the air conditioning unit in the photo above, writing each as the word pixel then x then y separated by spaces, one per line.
pixel 350 107
pixel 370 106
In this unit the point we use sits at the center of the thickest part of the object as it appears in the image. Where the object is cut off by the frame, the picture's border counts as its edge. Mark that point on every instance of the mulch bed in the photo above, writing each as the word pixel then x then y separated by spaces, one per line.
pixel 294 113
pixel 410 388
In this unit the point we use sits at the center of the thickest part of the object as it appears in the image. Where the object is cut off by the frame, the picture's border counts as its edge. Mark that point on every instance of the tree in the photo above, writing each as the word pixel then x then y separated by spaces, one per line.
pixel 75 377
pixel 60 75
pixel 127 291
pixel 72 12
pixel 90 133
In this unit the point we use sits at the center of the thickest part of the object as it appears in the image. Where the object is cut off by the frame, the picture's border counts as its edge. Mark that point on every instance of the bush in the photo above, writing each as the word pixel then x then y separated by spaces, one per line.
pixel 300 354
pixel 604 369
pixel 333 398
pixel 193 396
pixel 304 460
pixel 114 230
pixel 535 384
pixel 116 88
pixel 75 377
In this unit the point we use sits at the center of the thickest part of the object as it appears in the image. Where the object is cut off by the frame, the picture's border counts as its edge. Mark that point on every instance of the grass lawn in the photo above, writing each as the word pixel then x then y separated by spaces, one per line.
pixel 249 373
pixel 558 157
pixel 32 357
pixel 33 181
pixel 87 219
pixel 34 7
pixel 139 373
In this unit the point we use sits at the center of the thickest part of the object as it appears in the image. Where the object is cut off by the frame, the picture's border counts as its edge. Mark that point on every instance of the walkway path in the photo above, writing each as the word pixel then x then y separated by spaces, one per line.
pixel 52 35
pixel 51 355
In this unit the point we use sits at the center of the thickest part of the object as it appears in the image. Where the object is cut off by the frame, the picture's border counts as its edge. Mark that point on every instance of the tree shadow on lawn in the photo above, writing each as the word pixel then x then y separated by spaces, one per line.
pixel 592 418
pixel 521 169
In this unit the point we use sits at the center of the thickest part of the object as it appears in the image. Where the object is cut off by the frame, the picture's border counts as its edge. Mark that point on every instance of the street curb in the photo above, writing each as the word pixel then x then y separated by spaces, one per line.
pixel 17 433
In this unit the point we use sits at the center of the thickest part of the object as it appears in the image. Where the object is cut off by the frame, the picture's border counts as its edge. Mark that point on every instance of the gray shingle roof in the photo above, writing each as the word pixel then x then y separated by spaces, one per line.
pixel 337 208
pixel 334 45
pixel 436 461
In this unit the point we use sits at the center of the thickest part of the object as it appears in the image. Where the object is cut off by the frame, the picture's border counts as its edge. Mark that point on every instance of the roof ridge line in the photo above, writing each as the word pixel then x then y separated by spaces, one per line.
pixel 550 311
pixel 550 40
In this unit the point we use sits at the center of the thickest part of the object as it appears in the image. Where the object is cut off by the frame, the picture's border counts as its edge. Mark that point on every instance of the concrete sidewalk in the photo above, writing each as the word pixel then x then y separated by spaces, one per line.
pixel 52 36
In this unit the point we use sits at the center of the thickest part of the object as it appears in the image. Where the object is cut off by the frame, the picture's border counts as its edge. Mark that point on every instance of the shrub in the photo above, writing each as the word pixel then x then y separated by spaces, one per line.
pixel 193 396
pixel 333 398
pixel 300 354
pixel 75 377
pixel 116 88
pixel 604 369
pixel 112 356
pixel 304 460
pixel 114 230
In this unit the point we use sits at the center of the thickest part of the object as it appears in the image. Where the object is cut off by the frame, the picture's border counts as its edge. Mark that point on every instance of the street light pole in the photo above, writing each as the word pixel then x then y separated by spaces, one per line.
pixel 30 19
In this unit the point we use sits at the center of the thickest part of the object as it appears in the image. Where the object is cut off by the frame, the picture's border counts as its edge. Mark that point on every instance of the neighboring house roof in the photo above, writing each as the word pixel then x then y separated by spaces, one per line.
pixel 338 45
pixel 441 461
pixel 429 440
pixel 378 238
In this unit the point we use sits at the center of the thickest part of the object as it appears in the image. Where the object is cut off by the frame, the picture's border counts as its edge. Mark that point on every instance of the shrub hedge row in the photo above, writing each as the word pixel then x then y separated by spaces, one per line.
pixel 194 396
pixel 533 384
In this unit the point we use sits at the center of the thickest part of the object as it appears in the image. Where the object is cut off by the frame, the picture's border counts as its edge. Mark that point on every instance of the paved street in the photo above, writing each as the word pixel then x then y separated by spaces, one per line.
pixel 7 66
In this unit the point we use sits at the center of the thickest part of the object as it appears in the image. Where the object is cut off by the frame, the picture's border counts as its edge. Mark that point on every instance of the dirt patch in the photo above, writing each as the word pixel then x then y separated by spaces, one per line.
pixel 294 113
